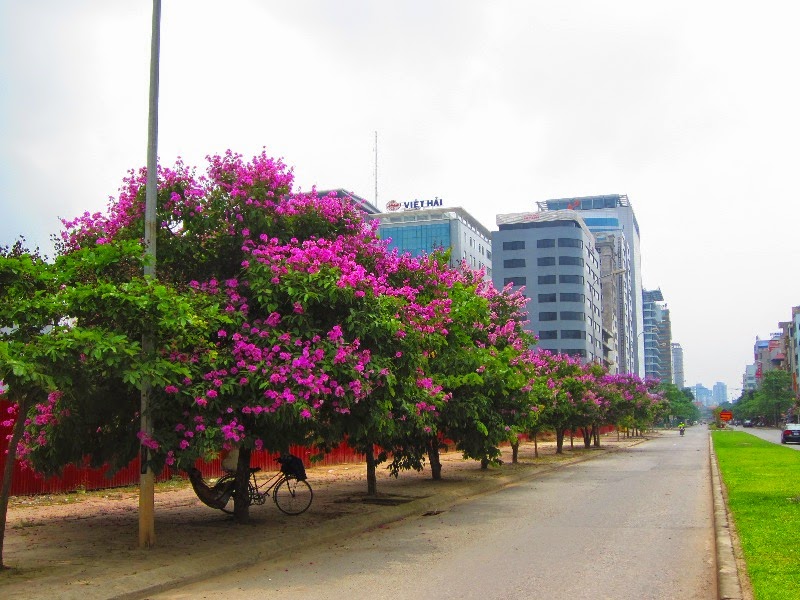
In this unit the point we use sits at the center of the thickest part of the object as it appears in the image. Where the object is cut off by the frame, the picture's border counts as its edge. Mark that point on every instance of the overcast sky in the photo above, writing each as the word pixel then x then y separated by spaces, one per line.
pixel 689 108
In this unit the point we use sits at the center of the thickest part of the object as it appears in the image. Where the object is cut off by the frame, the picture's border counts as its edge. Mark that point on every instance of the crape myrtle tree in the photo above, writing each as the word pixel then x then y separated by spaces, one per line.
pixel 482 369
pixel 472 342
pixel 72 382
pixel 591 404
pixel 313 324
pixel 559 388
pixel 639 404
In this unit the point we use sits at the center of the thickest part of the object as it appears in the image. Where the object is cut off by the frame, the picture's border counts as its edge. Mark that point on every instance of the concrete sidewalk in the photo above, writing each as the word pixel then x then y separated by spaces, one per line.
pixel 88 550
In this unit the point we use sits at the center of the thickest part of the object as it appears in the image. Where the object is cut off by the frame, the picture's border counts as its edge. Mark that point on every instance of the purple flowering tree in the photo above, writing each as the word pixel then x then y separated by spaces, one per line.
pixel 316 346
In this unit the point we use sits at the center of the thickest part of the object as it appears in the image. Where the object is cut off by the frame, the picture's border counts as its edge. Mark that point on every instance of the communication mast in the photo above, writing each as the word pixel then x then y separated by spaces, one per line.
pixel 376 168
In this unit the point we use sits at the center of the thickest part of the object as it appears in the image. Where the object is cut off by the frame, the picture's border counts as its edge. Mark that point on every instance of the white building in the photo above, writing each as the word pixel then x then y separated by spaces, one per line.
pixel 611 213
pixel 552 255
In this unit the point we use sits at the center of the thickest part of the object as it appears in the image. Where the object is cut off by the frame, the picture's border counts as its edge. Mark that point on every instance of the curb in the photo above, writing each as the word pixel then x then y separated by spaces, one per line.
pixel 729 586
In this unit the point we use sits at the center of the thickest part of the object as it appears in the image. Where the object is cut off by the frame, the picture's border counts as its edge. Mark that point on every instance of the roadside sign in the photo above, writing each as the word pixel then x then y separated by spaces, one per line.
pixel 726 415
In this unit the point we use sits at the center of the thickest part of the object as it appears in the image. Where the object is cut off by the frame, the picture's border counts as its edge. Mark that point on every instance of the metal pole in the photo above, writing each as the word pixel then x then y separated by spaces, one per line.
pixel 147 536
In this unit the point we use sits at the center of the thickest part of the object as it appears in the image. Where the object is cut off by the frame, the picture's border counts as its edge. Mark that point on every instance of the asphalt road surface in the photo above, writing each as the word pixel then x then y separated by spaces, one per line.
pixel 631 524
pixel 767 433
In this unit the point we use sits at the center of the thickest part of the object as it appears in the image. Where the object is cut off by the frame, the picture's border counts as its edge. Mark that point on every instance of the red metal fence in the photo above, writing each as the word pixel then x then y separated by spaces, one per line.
pixel 26 482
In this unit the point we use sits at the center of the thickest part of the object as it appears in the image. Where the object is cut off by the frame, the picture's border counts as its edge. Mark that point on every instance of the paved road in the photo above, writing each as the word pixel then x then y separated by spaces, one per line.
pixel 632 524
pixel 767 433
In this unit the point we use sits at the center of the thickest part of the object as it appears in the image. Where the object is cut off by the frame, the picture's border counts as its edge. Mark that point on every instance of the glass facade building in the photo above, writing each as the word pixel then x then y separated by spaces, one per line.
pixel 417 239
pixel 425 230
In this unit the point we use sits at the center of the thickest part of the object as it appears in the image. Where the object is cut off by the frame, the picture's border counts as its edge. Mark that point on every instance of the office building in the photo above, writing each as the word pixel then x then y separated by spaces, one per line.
pixel 552 255
pixel 719 393
pixel 677 366
pixel 614 213
pixel 422 230
pixel 657 336
pixel 617 300
pixel 702 394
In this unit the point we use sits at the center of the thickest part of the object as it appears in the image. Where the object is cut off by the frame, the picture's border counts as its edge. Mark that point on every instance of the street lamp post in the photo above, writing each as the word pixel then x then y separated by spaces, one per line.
pixel 147 536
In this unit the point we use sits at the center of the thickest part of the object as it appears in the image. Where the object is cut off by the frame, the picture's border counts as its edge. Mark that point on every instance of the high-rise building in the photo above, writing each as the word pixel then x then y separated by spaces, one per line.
pixel 677 365
pixel 552 254
pixel 421 231
pixel 719 393
pixel 614 213
pixel 617 300
pixel 657 336
pixel 702 394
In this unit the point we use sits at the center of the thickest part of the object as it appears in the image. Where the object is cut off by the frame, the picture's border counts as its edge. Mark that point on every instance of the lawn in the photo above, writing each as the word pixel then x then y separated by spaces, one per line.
pixel 763 485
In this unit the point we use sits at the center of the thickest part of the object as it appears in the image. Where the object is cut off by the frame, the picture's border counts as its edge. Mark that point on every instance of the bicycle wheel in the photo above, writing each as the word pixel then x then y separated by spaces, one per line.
pixel 292 496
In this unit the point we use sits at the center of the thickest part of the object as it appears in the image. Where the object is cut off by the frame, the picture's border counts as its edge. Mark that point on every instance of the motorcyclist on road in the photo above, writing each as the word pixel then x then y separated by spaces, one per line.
pixel 682 427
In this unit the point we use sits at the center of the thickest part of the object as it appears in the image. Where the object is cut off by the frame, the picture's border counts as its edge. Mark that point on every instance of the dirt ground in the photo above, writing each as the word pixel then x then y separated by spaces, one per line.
pixel 85 545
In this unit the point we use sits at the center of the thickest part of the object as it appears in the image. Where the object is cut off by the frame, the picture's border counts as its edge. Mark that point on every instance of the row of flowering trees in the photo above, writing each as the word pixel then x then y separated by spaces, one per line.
pixel 279 318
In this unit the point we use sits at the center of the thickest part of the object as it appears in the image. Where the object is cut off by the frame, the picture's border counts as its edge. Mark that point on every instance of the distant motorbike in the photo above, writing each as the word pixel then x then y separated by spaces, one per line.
pixel 683 431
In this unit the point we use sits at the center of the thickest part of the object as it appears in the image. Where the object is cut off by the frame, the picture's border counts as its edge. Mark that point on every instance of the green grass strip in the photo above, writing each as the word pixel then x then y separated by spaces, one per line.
pixel 763 483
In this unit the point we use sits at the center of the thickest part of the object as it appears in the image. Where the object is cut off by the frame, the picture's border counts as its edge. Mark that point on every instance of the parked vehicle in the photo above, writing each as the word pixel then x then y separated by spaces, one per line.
pixel 747 423
pixel 791 433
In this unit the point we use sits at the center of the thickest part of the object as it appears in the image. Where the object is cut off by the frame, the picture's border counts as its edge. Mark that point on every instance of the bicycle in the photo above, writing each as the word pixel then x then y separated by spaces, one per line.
pixel 291 495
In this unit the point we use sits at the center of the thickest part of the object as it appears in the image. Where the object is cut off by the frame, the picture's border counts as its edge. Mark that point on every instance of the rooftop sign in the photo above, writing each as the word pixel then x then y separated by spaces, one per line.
pixel 394 205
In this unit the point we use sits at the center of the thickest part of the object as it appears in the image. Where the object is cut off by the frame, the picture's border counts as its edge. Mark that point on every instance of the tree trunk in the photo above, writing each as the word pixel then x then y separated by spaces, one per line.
pixel 536 444
pixel 372 479
pixel 587 437
pixel 241 497
pixel 434 460
pixel 571 439
pixel 514 452
pixel 11 459
pixel 484 463
pixel 559 440
pixel 596 435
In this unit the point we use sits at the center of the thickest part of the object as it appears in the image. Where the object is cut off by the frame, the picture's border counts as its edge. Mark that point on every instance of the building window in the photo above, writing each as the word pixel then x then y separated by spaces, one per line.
pixel 548 334
pixel 514 263
pixel 576 261
pixel 515 245
pixel 572 315
pixel 546 243
pixel 515 281
pixel 547 297
pixel 546 261
pixel 569 243
pixel 573 334
pixel 569 297
pixel 581 353
pixel 548 316
pixel 570 279
pixel 546 279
